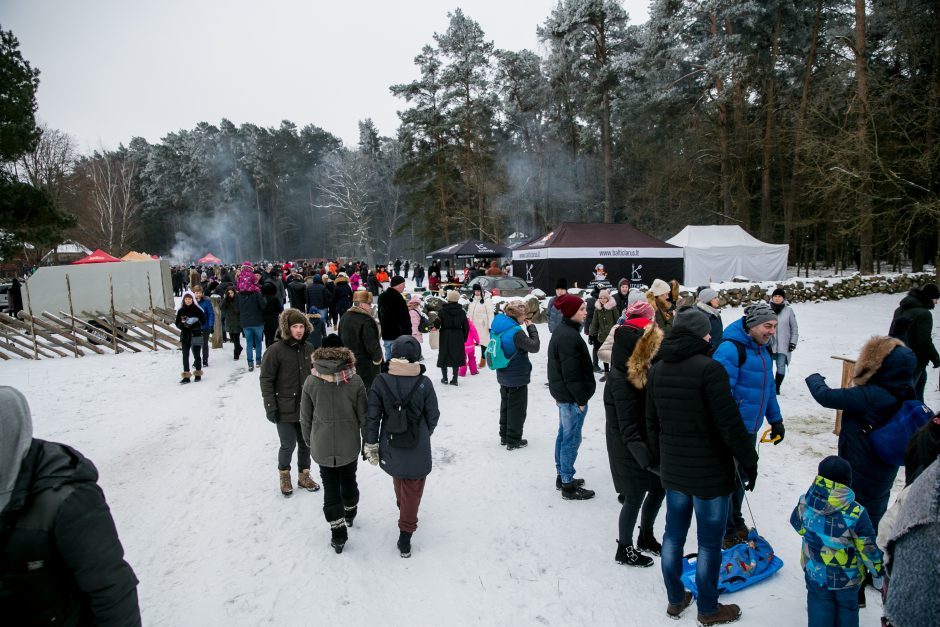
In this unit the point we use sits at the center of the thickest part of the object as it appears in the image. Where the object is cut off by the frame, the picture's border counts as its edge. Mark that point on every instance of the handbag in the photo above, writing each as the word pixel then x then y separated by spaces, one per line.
pixel 434 340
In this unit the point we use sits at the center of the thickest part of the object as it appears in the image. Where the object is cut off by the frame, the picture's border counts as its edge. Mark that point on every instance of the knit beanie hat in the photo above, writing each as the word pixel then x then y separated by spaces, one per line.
pixel 332 341
pixel 930 291
pixel 406 347
pixel 641 309
pixel 836 469
pixel 568 304
pixel 453 296
pixel 778 292
pixel 295 316
pixel 659 288
pixel 561 284
pixel 707 295
pixel 693 322
pixel 362 296
pixel 635 296
pixel 758 313
pixel 398 280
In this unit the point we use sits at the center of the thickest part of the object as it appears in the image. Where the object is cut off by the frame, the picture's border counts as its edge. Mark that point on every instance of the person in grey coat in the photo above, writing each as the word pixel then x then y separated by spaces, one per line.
pixel 784 343
pixel 911 597
pixel 332 418
pixel 408 467
pixel 554 313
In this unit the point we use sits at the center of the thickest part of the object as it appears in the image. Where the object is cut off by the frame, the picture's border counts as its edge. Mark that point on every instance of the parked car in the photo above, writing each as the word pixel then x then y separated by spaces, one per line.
pixel 498 286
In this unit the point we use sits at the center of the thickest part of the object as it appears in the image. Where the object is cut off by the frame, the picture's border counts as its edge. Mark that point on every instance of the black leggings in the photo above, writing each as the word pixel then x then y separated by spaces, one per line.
pixel 340 490
pixel 444 372
pixel 633 504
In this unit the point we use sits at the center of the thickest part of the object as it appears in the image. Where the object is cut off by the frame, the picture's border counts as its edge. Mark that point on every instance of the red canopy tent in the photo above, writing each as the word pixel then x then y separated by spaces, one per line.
pixel 99 256
pixel 210 258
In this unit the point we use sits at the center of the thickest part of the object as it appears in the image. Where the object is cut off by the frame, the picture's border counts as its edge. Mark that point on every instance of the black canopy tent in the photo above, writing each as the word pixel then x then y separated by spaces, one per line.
pixel 471 248
pixel 573 249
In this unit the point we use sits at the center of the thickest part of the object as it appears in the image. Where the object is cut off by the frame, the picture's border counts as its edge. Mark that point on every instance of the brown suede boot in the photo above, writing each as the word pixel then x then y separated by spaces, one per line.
pixel 286 488
pixel 482 362
pixel 724 614
pixel 305 481
pixel 198 375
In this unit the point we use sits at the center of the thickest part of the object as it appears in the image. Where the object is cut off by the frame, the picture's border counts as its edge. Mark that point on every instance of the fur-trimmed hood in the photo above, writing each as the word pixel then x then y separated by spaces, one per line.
pixel 642 356
pixel 284 326
pixel 885 361
pixel 330 360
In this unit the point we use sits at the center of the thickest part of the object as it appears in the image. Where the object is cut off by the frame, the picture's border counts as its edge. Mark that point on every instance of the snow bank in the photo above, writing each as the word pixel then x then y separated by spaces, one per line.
pixel 190 475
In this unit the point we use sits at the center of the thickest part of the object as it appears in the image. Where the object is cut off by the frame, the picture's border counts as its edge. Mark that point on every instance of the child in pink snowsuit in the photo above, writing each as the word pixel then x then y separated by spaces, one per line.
pixel 470 346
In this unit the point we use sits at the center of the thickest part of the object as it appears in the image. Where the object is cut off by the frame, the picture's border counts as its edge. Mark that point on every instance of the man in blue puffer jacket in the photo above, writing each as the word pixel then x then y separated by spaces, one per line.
pixel 518 337
pixel 753 389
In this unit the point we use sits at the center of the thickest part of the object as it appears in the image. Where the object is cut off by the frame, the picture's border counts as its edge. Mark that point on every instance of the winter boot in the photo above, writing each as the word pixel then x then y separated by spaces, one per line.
pixel 305 481
pixel 482 362
pixel 648 543
pixel 674 610
pixel 185 377
pixel 558 484
pixel 453 381
pixel 238 352
pixel 778 380
pixel 573 492
pixel 404 543
pixel 522 443
pixel 338 534
pixel 198 375
pixel 251 366
pixel 350 513
pixel 627 554
pixel 724 614
pixel 286 488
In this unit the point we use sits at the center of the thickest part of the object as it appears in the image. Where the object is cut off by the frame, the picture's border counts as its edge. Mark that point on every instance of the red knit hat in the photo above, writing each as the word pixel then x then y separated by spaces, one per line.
pixel 568 304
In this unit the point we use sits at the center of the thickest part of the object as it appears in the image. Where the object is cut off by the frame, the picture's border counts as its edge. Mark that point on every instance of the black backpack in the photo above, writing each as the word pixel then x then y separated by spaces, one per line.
pixel 400 424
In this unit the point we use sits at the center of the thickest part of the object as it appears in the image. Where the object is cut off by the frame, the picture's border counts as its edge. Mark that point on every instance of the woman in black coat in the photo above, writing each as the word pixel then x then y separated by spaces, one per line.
pixel 342 295
pixel 272 310
pixel 452 321
pixel 635 477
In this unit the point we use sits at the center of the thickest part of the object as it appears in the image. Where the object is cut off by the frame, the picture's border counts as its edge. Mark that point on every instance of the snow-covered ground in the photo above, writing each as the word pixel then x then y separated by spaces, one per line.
pixel 190 475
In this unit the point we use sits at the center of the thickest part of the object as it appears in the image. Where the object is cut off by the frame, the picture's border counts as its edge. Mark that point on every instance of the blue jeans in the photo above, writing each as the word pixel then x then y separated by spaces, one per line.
pixel 831 608
pixel 253 337
pixel 570 421
pixel 710 517
pixel 781 361
pixel 387 345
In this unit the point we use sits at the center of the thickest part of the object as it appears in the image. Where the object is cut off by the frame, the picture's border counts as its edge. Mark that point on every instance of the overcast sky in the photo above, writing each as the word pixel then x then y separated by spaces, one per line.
pixel 115 69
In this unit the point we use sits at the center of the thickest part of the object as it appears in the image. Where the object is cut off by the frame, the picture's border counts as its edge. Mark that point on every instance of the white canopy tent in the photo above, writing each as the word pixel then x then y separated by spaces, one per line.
pixel 717 253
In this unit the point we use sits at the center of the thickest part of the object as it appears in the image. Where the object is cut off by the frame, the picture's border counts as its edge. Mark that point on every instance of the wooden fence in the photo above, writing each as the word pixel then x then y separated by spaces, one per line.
pixel 62 334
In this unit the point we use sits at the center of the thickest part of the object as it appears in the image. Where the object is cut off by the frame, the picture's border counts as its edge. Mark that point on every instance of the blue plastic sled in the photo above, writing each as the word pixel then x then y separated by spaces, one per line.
pixel 742 565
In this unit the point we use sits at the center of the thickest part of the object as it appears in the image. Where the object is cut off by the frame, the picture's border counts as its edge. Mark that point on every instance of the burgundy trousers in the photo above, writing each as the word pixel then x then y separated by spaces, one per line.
pixel 408 497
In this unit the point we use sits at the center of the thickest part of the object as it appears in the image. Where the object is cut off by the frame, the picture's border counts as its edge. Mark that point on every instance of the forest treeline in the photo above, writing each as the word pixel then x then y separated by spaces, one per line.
pixel 812 123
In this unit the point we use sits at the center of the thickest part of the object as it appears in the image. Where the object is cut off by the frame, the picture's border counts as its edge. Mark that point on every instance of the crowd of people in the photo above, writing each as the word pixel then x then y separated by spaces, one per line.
pixel 342 378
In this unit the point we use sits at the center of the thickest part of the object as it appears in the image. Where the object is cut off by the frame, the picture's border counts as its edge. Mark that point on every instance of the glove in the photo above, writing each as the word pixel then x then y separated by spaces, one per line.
pixel 750 477
pixel 776 429
pixel 792 347
pixel 641 454
pixel 370 453
pixel 877 582
pixel 274 416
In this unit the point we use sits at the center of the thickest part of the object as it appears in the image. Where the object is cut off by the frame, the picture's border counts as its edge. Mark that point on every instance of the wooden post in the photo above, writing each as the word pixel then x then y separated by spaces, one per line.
pixel 217 325
pixel 32 330
pixel 68 288
pixel 848 367
pixel 113 325
pixel 153 326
